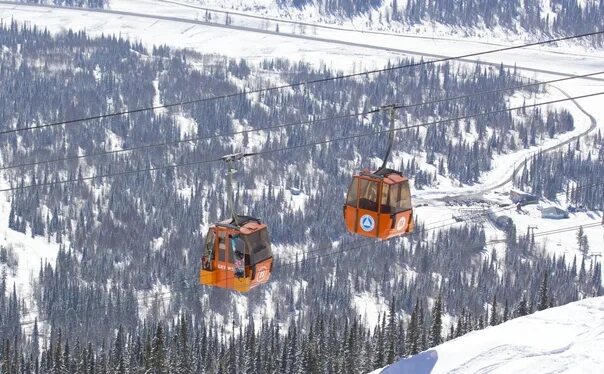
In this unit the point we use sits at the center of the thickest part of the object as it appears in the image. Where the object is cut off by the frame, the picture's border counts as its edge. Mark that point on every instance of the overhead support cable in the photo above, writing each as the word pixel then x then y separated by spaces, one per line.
pixel 298 84
pixel 306 145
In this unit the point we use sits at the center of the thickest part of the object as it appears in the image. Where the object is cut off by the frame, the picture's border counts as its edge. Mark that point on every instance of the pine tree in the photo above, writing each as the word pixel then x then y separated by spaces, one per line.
pixel 436 327
pixel 391 333
pixel 522 307
pixel 119 366
pixel 413 332
pixel 493 321
pixel 543 292
pixel 183 364
pixel 378 346
pixel 582 241
pixel 91 360
pixel 506 311
pixel 158 354
pixel 35 341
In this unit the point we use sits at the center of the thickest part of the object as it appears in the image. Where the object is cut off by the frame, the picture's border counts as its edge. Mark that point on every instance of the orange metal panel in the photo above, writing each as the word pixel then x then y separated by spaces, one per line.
pixel 366 223
pixel 350 218
pixel 384 229
pixel 263 272
pixel 370 224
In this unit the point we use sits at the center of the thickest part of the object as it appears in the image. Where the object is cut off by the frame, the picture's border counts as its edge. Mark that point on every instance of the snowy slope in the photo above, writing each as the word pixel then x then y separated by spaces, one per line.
pixel 375 21
pixel 566 339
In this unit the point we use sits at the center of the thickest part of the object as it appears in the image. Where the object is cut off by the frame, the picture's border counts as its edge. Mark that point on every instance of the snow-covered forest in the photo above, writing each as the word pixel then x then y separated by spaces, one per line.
pixel 123 293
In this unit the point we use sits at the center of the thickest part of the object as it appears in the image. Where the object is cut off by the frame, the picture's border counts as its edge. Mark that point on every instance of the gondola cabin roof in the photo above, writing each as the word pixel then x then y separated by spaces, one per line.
pixel 247 225
pixel 388 176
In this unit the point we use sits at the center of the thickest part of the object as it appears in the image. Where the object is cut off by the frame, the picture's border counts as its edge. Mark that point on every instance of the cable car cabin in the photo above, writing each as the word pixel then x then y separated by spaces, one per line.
pixel 237 257
pixel 378 205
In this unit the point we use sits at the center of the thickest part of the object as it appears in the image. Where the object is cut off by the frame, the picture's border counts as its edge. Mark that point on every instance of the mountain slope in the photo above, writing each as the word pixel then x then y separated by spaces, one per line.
pixel 475 18
pixel 566 339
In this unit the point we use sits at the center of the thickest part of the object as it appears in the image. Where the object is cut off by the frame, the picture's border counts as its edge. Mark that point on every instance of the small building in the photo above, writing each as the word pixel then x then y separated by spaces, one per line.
pixel 522 197
pixel 554 212
pixel 501 221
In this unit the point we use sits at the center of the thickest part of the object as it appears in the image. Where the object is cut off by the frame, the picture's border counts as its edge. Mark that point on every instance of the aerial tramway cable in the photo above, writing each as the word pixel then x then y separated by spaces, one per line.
pixel 292 124
pixel 306 145
pixel 297 84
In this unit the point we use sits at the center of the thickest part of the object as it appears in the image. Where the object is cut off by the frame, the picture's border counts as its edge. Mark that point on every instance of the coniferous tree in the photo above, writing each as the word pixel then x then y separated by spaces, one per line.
pixel 414 332
pixel 391 333
pixel 522 309
pixel 543 293
pixel 119 365
pixel 506 311
pixel 436 327
pixel 494 320
pixel 158 354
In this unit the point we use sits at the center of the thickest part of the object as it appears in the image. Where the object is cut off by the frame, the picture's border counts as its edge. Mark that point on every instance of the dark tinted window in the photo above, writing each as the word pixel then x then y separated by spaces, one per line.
pixel 258 246
pixel 384 204
pixel 351 199
pixel 230 248
pixel 209 244
pixel 400 197
pixel 368 195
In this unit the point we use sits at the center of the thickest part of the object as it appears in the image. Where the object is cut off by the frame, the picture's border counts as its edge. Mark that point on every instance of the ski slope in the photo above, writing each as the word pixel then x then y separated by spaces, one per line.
pixel 566 339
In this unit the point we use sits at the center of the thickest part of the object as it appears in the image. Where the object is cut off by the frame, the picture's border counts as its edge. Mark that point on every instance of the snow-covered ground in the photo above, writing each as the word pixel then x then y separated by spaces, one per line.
pixel 29 252
pixel 309 18
pixel 25 254
pixel 566 339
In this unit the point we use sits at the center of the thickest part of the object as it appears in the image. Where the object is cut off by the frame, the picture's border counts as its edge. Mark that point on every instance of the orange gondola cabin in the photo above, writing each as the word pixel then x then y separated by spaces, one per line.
pixel 237 252
pixel 378 205
pixel 237 255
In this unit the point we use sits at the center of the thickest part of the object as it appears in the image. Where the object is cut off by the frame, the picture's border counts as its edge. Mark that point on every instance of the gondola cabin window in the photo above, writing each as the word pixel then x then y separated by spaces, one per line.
pixel 368 195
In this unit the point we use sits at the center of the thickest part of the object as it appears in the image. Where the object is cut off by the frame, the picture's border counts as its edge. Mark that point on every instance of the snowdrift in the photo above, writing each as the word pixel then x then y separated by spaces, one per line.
pixel 566 339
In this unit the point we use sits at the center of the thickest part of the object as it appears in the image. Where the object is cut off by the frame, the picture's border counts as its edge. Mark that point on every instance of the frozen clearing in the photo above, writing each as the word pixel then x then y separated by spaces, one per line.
pixel 29 254
pixel 566 339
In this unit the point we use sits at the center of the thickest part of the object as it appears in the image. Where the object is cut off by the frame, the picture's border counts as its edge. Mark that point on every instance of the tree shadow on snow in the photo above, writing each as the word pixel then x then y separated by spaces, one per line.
pixel 422 363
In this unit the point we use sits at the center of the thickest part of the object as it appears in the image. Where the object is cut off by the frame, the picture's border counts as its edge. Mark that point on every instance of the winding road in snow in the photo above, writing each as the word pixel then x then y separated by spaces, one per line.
pixel 521 165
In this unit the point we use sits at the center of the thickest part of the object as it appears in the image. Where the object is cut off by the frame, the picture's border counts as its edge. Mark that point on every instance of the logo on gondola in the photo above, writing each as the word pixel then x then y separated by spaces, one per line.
pixel 402 223
pixel 367 223
pixel 261 274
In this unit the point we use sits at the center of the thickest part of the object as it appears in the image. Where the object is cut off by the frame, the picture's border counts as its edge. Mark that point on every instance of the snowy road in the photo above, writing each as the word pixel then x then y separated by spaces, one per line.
pixel 478 193
pixel 284 21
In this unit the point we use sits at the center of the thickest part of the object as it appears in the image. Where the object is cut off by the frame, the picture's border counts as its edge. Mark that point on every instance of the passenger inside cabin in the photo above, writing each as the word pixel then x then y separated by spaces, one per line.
pixel 237 243
pixel 239 266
